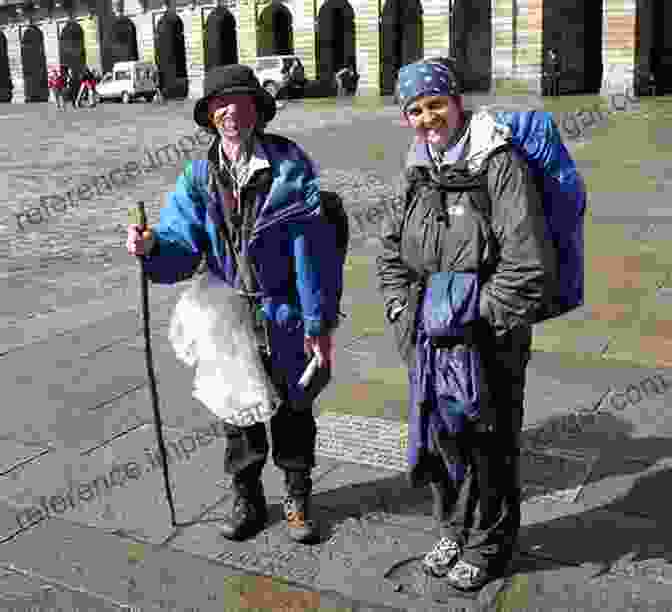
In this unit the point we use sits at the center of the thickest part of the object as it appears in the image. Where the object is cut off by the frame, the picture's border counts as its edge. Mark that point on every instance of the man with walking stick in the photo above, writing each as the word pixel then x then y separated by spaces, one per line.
pixel 253 211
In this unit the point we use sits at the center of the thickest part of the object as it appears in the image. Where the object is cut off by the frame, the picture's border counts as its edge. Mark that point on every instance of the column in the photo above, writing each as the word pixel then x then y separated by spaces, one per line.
pixel 305 26
pixel 13 35
pixel 91 42
pixel 436 27
pixel 502 41
pixel 144 28
pixel 368 21
pixel 194 32
pixel 618 45
pixel 51 51
pixel 527 50
pixel 247 31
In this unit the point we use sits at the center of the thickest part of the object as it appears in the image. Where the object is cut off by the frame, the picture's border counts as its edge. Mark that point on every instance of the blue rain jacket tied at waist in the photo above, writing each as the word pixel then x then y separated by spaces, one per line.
pixel 447 385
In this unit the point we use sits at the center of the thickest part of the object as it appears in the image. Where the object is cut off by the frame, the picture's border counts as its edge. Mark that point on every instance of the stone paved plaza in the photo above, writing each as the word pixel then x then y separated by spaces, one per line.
pixel 77 409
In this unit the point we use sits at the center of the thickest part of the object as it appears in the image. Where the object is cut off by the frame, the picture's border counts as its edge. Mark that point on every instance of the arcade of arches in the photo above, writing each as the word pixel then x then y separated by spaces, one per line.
pixel 601 44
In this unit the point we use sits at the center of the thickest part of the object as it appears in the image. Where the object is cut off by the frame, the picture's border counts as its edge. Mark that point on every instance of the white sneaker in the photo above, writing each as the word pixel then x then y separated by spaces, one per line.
pixel 441 558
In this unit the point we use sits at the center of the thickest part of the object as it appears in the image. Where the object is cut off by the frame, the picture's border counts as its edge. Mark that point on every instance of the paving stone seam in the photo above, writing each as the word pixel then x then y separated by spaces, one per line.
pixel 117 397
pixel 114 531
pixel 105 347
pixel 29 573
pixel 76 329
pixel 25 461
pixel 121 434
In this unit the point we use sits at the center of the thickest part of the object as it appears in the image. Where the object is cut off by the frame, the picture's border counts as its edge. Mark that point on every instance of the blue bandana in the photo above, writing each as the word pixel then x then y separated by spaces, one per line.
pixel 425 79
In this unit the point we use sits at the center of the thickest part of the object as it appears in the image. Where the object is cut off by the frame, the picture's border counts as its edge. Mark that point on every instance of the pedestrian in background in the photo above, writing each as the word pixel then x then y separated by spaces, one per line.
pixel 71 87
pixel 346 81
pixel 158 93
pixel 466 386
pixel 57 81
pixel 87 86
pixel 254 211
pixel 554 71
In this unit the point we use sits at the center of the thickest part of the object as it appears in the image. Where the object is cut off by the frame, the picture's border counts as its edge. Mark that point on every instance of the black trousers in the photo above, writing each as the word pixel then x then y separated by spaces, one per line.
pixel 482 513
pixel 293 434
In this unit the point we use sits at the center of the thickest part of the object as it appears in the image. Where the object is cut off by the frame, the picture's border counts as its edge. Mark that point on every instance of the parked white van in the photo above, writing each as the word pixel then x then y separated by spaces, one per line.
pixel 128 81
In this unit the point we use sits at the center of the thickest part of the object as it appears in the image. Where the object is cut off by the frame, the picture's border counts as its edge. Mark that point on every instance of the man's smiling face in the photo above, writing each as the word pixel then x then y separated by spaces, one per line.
pixel 434 118
pixel 232 115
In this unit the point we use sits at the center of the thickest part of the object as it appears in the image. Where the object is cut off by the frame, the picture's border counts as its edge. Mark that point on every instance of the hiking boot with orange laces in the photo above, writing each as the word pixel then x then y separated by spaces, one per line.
pixel 297 506
pixel 300 527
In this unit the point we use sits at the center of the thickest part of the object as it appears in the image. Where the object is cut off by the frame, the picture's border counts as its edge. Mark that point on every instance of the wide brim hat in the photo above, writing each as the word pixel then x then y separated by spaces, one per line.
pixel 230 80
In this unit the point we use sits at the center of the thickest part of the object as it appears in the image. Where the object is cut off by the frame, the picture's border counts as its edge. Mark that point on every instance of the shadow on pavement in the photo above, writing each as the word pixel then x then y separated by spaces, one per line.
pixel 628 510
pixel 619 527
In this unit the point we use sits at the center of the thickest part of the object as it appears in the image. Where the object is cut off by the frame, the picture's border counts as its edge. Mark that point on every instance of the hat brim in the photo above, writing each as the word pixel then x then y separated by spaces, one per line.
pixel 264 101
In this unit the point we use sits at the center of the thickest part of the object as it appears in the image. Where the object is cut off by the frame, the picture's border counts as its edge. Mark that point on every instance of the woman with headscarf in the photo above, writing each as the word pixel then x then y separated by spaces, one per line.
pixel 465 246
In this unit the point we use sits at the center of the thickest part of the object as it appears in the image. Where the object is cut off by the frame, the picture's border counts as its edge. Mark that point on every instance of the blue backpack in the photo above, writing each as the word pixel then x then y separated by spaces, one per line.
pixel 536 137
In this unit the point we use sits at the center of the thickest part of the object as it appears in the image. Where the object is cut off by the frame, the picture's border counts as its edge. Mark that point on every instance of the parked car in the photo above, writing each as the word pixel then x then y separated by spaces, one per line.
pixel 276 72
pixel 128 81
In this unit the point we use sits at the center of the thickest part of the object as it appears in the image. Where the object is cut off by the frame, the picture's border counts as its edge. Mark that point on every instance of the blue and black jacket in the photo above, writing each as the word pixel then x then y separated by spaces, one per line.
pixel 298 268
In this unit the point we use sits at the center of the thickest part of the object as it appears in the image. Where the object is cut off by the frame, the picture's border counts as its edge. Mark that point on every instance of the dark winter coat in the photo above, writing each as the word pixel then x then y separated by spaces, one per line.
pixel 506 247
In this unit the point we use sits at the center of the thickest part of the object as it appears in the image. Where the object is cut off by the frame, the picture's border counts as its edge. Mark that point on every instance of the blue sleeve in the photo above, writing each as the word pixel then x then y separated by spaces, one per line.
pixel 315 259
pixel 180 234
pixel 318 272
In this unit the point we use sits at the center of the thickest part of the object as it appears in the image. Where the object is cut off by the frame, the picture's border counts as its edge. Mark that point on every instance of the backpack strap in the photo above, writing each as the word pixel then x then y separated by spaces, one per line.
pixel 476 188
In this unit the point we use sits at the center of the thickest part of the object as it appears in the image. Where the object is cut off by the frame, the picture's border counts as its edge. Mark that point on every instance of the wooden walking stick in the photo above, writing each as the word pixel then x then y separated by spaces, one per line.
pixel 140 218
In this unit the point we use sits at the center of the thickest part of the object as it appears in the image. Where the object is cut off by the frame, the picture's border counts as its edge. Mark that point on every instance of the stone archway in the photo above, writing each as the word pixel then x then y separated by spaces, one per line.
pixel 221 43
pixel 121 43
pixel 172 56
pixel 6 86
pixel 402 39
pixel 472 47
pixel 35 82
pixel 275 34
pixel 336 38
pixel 574 28
pixel 71 47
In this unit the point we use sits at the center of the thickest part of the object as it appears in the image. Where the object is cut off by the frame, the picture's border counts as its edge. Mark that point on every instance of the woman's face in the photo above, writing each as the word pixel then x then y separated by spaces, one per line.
pixel 434 118
pixel 234 116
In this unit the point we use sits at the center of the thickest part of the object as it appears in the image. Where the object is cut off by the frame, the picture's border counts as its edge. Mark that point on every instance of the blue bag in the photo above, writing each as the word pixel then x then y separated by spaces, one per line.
pixel 450 302
pixel 535 134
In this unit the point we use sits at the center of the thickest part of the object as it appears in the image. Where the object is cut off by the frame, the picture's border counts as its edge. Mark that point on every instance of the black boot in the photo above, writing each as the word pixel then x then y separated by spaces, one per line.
pixel 250 513
pixel 297 507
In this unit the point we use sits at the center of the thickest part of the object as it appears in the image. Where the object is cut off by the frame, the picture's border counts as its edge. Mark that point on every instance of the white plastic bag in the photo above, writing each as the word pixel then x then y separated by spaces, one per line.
pixel 212 329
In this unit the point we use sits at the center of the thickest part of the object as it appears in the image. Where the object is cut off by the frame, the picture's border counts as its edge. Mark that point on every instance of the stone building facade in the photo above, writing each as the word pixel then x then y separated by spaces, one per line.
pixel 603 44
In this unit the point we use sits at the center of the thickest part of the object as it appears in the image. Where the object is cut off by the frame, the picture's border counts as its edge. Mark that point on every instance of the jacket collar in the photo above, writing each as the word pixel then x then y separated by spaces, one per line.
pixel 258 157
